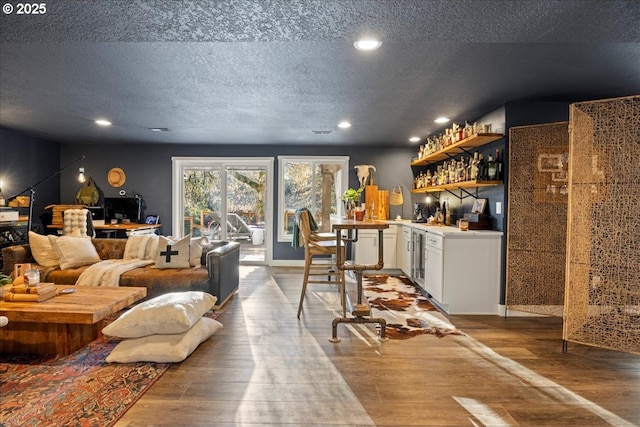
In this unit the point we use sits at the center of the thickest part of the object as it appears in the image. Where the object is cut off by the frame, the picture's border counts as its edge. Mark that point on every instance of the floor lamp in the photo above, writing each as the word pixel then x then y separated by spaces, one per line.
pixel 395 199
pixel 32 192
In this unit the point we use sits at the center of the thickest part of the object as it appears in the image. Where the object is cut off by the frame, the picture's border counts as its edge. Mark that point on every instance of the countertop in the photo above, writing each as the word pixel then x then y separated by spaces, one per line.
pixel 445 230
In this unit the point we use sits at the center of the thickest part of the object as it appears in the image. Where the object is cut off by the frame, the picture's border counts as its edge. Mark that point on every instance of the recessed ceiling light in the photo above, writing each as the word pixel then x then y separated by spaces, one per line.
pixel 441 120
pixel 414 139
pixel 103 122
pixel 159 129
pixel 367 44
pixel 344 124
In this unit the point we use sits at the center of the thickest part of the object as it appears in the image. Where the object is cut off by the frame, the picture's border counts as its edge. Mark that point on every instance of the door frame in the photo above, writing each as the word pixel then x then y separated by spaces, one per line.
pixel 178 166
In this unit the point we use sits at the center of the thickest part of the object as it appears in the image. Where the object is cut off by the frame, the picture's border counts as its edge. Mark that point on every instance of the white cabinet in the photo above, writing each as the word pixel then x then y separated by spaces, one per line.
pixel 366 248
pixel 406 250
pixel 462 271
pixel 434 261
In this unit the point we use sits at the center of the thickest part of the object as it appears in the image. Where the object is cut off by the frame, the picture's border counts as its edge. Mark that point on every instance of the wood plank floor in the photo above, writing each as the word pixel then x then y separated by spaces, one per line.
pixel 267 368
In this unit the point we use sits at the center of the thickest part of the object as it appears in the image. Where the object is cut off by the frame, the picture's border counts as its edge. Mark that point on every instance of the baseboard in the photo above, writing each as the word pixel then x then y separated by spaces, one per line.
pixel 505 312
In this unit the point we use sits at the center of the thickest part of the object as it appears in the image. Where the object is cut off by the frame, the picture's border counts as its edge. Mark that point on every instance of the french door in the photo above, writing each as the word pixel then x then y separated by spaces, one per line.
pixel 225 199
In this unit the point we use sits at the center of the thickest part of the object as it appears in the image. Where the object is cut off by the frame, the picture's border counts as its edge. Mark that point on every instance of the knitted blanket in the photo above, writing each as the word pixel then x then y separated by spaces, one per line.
pixel 108 272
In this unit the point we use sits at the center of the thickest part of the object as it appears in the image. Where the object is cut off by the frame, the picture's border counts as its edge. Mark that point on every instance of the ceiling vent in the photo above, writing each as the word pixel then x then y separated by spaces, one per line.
pixel 322 132
pixel 160 129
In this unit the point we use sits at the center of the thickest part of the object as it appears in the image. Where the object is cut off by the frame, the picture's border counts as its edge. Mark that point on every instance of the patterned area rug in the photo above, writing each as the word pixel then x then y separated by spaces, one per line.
pixel 408 313
pixel 76 390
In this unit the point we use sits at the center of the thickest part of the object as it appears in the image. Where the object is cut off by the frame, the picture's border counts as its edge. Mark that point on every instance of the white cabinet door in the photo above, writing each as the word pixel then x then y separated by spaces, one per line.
pixel 434 275
pixel 367 247
pixel 407 251
pixel 463 272
pixel 390 247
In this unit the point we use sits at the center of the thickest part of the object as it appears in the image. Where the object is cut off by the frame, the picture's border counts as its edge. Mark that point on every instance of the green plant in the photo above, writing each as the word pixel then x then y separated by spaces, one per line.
pixel 351 197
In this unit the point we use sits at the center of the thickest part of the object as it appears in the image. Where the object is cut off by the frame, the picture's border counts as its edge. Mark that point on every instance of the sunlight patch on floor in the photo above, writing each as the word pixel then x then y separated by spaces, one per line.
pixel 544 385
pixel 297 368
pixel 482 415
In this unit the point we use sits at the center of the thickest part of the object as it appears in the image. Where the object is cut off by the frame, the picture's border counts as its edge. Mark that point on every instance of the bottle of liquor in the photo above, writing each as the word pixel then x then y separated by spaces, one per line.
pixel 498 166
pixel 482 169
pixel 473 172
pixel 491 169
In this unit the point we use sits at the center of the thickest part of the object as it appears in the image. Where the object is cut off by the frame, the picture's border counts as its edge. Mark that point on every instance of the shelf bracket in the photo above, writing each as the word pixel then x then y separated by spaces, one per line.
pixel 454 194
pixel 463 193
pixel 464 150
pixel 468 194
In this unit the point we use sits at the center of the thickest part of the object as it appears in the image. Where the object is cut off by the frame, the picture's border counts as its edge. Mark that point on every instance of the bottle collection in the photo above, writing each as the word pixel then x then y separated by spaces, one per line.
pixel 451 136
pixel 465 168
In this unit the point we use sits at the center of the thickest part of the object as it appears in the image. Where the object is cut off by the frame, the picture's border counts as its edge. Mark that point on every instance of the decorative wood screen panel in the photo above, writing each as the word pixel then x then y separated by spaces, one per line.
pixel 537 222
pixel 602 303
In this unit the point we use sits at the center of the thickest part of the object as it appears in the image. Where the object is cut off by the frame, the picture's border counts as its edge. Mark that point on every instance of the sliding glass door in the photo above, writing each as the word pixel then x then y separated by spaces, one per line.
pixel 225 199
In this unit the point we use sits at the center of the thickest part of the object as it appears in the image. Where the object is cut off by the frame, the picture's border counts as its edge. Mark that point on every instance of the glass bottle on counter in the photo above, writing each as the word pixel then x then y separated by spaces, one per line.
pixel 498 166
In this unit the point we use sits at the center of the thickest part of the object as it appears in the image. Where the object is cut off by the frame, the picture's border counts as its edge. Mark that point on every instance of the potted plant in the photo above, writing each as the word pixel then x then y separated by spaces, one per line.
pixel 351 199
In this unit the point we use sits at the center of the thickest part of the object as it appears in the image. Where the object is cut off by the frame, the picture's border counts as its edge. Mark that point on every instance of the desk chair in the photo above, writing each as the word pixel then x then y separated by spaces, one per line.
pixel 319 246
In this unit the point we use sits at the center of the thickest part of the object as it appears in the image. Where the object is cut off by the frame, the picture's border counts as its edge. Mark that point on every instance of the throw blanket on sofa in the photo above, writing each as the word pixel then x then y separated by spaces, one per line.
pixel 108 272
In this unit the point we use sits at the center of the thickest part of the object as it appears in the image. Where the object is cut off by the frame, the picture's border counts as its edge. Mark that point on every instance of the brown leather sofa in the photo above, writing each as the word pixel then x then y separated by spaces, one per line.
pixel 219 274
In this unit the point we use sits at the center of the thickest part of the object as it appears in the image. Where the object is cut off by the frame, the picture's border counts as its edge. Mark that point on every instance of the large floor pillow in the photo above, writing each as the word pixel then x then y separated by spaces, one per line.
pixel 164 348
pixel 172 313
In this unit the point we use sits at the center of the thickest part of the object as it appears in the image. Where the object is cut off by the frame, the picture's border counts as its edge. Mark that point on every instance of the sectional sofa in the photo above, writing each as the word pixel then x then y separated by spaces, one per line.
pixel 218 273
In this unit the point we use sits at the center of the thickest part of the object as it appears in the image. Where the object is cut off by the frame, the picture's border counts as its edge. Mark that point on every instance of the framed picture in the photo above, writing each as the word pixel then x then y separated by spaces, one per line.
pixel 478 206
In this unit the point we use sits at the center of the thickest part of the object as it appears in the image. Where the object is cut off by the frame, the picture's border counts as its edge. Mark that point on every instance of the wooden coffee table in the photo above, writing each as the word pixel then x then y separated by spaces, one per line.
pixel 65 323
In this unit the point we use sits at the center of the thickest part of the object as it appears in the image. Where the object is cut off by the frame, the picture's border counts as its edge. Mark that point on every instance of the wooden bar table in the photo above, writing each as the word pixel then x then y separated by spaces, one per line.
pixel 361 310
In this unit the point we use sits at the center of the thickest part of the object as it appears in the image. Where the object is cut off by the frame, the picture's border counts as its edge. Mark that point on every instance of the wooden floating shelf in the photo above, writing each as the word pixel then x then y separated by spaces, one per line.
pixel 456 186
pixel 473 141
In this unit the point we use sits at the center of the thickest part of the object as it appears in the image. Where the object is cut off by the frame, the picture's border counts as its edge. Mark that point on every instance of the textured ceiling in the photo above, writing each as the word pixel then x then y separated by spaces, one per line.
pixel 272 72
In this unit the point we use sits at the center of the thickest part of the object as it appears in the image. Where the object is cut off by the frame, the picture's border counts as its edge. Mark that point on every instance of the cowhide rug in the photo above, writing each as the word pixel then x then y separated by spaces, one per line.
pixel 408 313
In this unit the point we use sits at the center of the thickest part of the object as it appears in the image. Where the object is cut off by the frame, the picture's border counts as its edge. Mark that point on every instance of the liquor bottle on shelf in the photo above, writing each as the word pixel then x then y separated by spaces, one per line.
pixel 482 169
pixel 468 130
pixel 475 163
pixel 491 169
pixel 498 166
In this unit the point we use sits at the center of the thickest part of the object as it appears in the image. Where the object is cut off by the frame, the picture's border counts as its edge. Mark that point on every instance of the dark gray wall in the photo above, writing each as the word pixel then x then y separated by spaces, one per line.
pixel 148 170
pixel 24 161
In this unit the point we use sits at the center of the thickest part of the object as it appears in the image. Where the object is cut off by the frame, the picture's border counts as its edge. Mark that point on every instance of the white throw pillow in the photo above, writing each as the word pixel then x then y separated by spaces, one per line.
pixel 171 313
pixel 173 254
pixel 164 348
pixel 140 247
pixel 152 248
pixel 74 251
pixel 42 250
pixel 195 250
